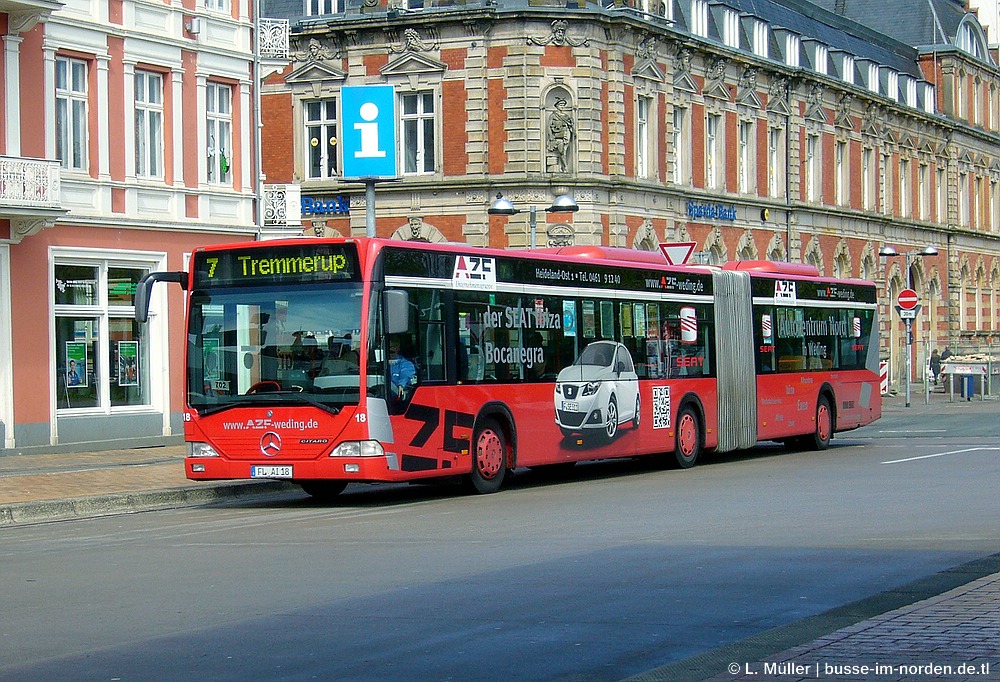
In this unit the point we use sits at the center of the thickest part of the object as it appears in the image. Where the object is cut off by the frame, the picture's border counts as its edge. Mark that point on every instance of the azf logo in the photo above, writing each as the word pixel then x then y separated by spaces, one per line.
pixel 474 272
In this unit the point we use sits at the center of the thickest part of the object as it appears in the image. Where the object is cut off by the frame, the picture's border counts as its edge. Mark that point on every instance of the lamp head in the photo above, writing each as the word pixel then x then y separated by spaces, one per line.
pixel 929 251
pixel 501 206
pixel 563 203
pixel 888 251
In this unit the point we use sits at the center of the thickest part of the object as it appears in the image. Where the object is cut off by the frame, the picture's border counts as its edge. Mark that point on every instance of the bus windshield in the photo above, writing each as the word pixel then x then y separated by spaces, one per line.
pixel 278 343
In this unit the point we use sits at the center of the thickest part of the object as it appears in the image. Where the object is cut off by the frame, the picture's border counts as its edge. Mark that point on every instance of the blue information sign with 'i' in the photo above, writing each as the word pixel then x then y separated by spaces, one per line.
pixel 369 137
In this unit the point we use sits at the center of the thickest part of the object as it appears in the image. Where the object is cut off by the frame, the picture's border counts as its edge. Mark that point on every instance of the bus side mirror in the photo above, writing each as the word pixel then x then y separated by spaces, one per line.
pixel 396 304
pixel 144 286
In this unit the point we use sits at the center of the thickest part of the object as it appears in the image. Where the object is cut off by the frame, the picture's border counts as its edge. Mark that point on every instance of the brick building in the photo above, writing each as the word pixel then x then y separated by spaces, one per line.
pixel 782 129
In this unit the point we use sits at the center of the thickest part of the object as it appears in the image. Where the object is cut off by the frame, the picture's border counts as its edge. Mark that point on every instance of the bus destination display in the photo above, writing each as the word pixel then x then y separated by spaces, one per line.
pixel 259 266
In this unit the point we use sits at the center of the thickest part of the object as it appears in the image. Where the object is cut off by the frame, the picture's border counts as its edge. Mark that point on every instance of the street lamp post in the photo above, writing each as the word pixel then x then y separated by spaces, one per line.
pixel 563 203
pixel 887 252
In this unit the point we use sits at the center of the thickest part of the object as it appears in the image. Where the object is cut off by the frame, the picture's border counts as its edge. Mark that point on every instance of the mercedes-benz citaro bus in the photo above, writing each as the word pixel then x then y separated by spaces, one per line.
pixel 327 361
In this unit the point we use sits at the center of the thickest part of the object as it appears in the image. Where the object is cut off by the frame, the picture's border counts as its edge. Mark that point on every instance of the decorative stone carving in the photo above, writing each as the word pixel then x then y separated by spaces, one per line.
pixel 558 36
pixel 412 42
pixel 315 52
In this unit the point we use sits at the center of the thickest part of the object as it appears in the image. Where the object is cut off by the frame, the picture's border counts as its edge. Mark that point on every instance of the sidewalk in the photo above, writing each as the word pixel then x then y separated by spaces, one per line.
pixel 48 487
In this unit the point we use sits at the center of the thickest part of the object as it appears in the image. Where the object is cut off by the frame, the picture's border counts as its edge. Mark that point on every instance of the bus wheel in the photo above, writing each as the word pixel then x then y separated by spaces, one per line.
pixel 324 491
pixel 489 461
pixel 820 440
pixel 687 444
pixel 611 423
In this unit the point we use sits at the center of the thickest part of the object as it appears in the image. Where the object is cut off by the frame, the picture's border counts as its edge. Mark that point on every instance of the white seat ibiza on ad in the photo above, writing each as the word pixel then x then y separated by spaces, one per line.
pixel 598 392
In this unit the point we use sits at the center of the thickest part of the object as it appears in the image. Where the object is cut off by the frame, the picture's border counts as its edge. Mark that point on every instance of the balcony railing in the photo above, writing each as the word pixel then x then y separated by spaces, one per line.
pixel 29 183
pixel 272 39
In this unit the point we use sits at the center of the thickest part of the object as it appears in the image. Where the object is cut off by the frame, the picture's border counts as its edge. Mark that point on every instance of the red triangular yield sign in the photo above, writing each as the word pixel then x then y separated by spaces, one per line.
pixel 678 253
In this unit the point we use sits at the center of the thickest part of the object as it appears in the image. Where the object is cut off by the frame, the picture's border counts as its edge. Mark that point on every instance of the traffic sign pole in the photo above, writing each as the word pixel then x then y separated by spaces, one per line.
pixel 907 304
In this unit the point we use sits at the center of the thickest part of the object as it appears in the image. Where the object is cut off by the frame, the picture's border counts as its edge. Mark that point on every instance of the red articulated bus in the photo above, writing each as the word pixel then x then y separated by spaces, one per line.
pixel 326 361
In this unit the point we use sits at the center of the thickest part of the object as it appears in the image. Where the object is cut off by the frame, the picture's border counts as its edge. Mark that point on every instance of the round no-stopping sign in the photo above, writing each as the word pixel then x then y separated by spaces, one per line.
pixel 907 299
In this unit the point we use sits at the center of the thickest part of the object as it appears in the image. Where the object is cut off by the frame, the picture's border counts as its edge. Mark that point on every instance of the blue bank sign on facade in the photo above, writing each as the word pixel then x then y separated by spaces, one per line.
pixel 369 136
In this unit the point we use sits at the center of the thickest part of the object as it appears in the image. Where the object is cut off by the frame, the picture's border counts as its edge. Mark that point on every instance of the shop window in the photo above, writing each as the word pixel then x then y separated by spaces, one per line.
pixel 102 354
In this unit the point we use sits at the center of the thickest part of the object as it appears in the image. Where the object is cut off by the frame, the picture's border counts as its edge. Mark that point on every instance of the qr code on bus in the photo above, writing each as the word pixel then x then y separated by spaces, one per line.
pixel 661 407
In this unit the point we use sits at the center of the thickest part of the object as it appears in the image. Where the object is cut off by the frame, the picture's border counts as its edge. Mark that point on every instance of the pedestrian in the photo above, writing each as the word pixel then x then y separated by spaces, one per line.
pixel 935 365
pixel 946 353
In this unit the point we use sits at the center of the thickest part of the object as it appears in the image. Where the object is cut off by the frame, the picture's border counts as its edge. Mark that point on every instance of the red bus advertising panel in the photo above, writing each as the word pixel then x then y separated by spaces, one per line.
pixel 329 361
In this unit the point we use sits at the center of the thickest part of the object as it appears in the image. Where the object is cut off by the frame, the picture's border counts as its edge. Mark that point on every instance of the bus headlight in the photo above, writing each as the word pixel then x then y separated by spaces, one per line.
pixel 359 448
pixel 201 450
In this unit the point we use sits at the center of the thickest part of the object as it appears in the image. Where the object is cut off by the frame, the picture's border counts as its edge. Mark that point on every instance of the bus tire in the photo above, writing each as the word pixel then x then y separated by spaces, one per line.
pixel 820 438
pixel 323 491
pixel 687 438
pixel 489 458
pixel 611 420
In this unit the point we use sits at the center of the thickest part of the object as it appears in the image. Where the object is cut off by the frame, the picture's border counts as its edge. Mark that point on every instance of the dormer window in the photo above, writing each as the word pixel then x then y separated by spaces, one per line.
pixel 891 84
pixel 761 34
pixel 793 47
pixel 847 68
pixel 730 28
pixel 699 18
pixel 969 41
pixel 821 57
pixel 873 80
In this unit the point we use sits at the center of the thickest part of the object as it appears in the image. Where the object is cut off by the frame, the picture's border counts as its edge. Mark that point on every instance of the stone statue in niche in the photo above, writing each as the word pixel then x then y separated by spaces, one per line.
pixel 561 133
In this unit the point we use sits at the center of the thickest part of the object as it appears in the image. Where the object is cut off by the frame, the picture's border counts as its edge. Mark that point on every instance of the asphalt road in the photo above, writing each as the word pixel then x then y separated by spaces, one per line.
pixel 601 574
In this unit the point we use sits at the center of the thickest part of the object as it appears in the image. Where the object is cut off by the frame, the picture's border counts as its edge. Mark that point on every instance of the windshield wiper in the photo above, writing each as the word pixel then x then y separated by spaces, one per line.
pixel 276 397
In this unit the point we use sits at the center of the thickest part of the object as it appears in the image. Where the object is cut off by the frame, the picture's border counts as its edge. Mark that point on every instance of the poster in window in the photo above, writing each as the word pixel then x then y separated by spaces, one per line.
pixel 128 363
pixel 652 320
pixel 76 364
pixel 569 318
pixel 640 319
pixel 626 319
pixel 589 320
pixel 607 320
pixel 210 352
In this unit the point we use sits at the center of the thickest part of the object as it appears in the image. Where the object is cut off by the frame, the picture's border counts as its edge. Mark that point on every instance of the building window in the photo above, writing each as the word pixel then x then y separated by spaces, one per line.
pixel 963 199
pixel 321 138
pixel 942 196
pixel 317 8
pixel 71 113
pixel 923 191
pixel 746 166
pixel 904 188
pixel 418 132
pixel 977 198
pixel 847 69
pixel 775 162
pixel 642 137
pixel 713 133
pixel 821 57
pixel 699 18
pixel 840 177
pixel 102 353
pixel 793 48
pixel 217 5
pixel 148 125
pixel 219 108
pixel 994 205
pixel 678 145
pixel 812 168
pixel 761 34
pixel 868 179
pixel 885 188
pixel 731 28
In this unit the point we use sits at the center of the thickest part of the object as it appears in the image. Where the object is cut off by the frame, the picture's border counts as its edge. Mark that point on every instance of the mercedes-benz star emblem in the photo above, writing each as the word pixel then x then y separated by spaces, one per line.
pixel 270 444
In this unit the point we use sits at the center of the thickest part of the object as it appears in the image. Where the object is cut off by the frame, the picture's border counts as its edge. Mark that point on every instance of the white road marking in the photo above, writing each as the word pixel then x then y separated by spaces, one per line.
pixel 937 454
